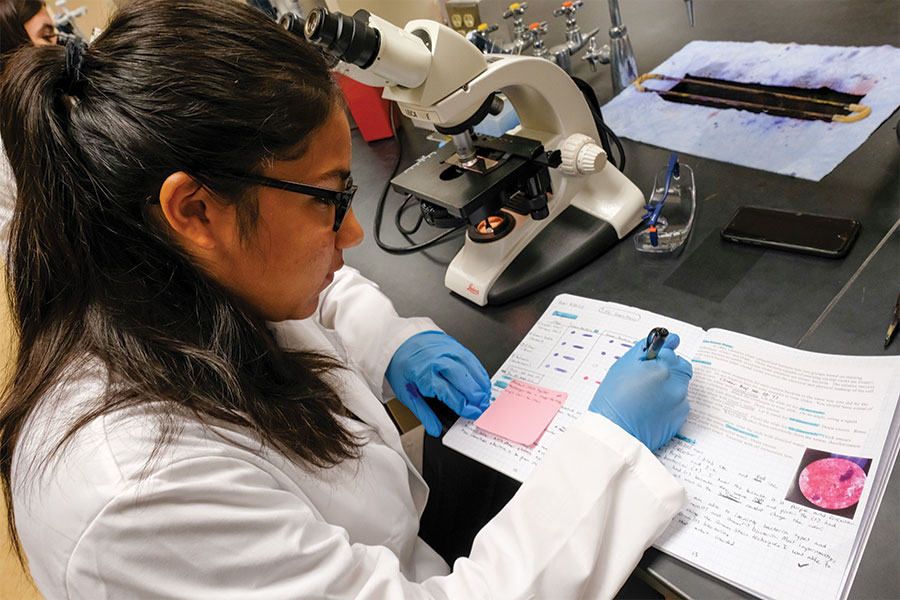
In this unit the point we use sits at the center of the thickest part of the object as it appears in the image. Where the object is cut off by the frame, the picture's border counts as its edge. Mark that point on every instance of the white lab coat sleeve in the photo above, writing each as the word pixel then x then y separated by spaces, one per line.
pixel 580 523
pixel 222 527
pixel 368 326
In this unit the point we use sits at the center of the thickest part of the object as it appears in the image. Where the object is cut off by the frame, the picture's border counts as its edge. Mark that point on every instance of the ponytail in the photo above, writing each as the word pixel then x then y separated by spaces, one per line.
pixel 50 177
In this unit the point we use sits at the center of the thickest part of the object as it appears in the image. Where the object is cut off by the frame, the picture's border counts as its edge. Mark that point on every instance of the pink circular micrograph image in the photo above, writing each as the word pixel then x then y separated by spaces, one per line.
pixel 832 483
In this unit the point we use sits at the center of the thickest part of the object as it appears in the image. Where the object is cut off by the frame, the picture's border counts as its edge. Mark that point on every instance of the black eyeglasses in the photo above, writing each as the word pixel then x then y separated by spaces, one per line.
pixel 340 199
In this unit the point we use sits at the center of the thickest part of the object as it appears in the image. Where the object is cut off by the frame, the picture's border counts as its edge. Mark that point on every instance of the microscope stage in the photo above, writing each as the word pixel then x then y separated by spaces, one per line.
pixel 470 194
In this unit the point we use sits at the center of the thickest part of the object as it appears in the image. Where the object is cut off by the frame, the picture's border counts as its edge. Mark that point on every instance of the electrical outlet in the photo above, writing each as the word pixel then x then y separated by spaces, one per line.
pixel 463 15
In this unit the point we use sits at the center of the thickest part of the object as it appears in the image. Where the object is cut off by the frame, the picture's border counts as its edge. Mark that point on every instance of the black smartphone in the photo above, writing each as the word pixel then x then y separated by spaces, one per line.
pixel 808 233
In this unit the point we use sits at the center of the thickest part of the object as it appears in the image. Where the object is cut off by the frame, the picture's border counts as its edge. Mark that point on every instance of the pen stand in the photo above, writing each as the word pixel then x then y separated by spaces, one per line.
pixel 676 217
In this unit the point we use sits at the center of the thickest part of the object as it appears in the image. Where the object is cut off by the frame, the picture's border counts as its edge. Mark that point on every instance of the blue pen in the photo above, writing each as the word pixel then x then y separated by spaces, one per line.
pixel 653 210
pixel 655 340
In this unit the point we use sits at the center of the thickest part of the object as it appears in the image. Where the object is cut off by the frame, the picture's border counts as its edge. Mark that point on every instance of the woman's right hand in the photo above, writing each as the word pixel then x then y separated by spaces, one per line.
pixel 646 398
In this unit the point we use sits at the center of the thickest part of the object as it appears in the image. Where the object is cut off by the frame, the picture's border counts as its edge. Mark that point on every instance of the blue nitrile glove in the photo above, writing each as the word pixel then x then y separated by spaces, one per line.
pixel 646 398
pixel 434 365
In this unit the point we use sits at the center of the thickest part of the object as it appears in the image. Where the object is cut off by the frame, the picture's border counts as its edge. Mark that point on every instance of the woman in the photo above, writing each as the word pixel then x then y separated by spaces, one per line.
pixel 196 408
pixel 24 22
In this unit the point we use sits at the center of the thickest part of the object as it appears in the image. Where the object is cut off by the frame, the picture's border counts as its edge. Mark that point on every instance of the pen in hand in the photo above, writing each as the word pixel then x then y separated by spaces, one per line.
pixel 895 320
pixel 655 340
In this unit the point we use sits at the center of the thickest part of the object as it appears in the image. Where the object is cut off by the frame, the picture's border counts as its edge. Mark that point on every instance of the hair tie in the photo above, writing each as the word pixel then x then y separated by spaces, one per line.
pixel 75 49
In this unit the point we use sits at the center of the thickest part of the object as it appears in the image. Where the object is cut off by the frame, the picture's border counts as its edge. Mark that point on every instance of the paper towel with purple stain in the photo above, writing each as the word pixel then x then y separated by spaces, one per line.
pixel 804 149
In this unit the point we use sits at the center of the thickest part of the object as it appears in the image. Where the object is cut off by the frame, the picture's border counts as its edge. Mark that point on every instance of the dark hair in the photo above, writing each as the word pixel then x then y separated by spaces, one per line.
pixel 13 16
pixel 171 85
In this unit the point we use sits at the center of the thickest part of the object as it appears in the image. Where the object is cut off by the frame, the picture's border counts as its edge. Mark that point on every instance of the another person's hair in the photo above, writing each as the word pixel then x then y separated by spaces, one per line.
pixel 171 85
pixel 13 16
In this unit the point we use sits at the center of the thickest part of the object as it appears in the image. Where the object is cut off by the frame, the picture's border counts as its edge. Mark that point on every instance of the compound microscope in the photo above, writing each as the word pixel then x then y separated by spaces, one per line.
pixel 540 202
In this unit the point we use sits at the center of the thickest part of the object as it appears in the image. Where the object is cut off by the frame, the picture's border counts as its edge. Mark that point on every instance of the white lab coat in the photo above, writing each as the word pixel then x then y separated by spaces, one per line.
pixel 7 199
pixel 218 515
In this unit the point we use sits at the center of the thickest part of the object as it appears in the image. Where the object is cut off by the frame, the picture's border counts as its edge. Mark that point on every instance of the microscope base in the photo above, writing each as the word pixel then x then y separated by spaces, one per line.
pixel 567 243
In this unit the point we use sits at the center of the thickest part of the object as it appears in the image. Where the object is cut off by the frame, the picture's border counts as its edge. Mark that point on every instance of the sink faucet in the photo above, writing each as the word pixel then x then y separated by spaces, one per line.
pixel 575 39
pixel 619 53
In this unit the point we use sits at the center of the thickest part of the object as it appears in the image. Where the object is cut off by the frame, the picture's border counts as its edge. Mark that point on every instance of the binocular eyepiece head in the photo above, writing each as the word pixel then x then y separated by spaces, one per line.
pixel 349 39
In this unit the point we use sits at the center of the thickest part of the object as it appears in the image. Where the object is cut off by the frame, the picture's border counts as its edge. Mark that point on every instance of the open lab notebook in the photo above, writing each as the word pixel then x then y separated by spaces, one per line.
pixel 785 455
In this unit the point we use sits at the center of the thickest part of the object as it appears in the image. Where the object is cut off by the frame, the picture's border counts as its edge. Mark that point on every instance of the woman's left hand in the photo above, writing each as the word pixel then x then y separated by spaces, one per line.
pixel 434 365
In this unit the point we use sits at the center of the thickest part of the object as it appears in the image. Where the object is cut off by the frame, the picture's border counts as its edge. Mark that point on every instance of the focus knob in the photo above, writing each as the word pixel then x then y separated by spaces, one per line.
pixel 581 156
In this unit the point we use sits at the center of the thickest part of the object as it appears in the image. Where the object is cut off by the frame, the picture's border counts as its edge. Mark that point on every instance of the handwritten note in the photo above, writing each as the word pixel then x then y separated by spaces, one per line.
pixel 522 412
pixel 757 408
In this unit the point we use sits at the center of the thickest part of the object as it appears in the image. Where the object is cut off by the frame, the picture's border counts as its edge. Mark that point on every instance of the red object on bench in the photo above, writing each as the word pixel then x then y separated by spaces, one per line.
pixel 369 109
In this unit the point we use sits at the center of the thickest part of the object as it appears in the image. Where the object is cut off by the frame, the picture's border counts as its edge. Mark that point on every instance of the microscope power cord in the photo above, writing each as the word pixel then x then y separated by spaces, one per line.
pixel 379 210
pixel 399 215
pixel 602 128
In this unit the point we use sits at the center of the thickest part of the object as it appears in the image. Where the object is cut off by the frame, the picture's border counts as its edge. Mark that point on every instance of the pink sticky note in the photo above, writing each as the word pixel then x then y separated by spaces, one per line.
pixel 521 412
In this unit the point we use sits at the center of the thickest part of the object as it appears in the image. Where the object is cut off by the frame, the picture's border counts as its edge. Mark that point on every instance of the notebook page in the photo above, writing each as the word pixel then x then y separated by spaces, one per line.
pixel 569 349
pixel 785 454
pixel 780 457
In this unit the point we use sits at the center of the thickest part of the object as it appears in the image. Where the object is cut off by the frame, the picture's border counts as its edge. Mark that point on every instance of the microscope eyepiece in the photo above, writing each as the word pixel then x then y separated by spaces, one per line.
pixel 313 24
pixel 349 39
pixel 392 55
pixel 292 23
